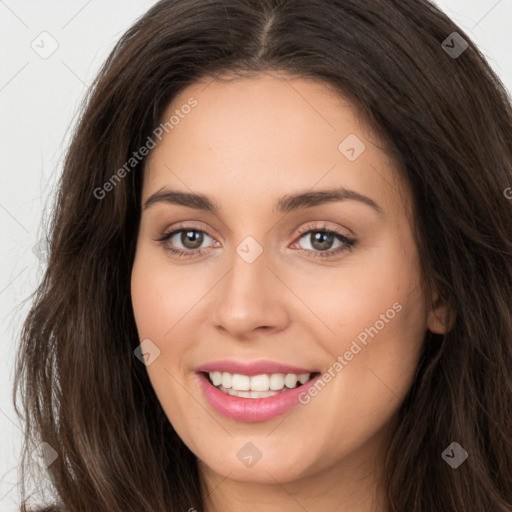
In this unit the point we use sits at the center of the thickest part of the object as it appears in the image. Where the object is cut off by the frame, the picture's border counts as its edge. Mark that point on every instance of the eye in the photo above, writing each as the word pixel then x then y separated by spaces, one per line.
pixel 321 240
pixel 192 238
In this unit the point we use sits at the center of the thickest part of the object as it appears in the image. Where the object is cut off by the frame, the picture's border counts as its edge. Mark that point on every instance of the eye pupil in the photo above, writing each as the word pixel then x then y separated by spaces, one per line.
pixel 195 236
pixel 325 240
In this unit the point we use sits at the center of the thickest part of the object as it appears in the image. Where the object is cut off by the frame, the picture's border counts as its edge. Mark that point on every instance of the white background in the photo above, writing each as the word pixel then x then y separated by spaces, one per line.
pixel 38 102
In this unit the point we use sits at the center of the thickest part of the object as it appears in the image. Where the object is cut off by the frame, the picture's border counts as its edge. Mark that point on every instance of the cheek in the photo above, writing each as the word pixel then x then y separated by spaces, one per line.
pixel 157 306
pixel 396 355
pixel 160 299
pixel 378 314
pixel 147 303
pixel 385 325
pixel 165 299
pixel 378 285
pixel 161 294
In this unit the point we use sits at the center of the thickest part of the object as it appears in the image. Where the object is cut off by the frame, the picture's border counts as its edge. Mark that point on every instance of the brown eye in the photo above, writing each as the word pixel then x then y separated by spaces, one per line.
pixel 193 237
pixel 321 242
pixel 189 238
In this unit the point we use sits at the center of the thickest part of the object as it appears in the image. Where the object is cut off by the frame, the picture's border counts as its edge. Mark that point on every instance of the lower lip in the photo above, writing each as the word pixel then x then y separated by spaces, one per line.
pixel 252 409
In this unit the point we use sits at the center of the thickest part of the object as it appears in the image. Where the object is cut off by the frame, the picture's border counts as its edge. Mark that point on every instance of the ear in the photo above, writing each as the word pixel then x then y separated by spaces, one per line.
pixel 440 317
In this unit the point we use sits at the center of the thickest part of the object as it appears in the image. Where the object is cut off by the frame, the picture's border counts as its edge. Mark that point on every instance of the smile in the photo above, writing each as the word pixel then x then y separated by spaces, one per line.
pixel 256 397
pixel 256 386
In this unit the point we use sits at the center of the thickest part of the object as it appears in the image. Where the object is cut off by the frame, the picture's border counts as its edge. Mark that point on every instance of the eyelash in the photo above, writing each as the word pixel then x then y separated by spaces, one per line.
pixel 349 243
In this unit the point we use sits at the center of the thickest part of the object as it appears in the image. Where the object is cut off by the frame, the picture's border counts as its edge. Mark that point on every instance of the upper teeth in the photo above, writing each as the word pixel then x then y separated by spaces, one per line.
pixel 263 382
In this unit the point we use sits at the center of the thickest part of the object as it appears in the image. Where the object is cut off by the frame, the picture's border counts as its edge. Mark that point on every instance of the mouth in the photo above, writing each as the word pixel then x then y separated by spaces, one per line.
pixel 255 390
pixel 264 385
pixel 251 398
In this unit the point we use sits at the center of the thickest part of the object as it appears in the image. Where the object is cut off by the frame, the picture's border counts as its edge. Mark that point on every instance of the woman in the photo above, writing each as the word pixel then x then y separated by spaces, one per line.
pixel 280 273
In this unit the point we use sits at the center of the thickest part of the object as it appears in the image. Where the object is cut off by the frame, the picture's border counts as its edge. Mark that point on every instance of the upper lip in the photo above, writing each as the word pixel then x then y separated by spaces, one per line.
pixel 252 367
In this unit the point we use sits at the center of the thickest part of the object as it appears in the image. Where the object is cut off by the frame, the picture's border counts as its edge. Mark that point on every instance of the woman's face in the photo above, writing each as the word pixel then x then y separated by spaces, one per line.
pixel 264 281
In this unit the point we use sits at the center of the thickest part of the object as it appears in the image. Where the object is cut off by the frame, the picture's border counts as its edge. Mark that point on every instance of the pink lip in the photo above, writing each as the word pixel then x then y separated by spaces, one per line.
pixel 254 368
pixel 253 409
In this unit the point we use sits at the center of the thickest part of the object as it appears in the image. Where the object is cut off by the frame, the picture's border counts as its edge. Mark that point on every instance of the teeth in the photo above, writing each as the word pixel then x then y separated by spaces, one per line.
pixel 226 380
pixel 303 378
pixel 277 381
pixel 216 378
pixel 260 382
pixel 240 382
pixel 249 394
pixel 256 384
pixel 290 380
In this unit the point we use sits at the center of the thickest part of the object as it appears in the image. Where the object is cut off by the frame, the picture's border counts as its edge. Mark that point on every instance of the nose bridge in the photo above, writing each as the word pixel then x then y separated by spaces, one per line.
pixel 248 277
pixel 249 295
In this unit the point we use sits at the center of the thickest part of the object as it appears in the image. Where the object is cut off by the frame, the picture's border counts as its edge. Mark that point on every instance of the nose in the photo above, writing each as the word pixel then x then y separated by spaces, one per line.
pixel 251 298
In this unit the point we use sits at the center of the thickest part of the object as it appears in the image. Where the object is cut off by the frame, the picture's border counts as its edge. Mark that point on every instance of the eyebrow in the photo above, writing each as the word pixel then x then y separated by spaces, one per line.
pixel 286 204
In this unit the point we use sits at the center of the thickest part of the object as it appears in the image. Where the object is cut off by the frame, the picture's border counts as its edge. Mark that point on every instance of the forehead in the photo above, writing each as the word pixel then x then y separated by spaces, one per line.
pixel 268 135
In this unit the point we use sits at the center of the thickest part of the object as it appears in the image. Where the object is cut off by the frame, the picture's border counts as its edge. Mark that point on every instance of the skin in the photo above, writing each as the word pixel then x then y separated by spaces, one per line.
pixel 247 143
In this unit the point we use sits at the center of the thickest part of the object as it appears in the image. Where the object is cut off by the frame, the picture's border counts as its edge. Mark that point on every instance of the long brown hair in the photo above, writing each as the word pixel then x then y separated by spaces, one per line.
pixel 446 118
